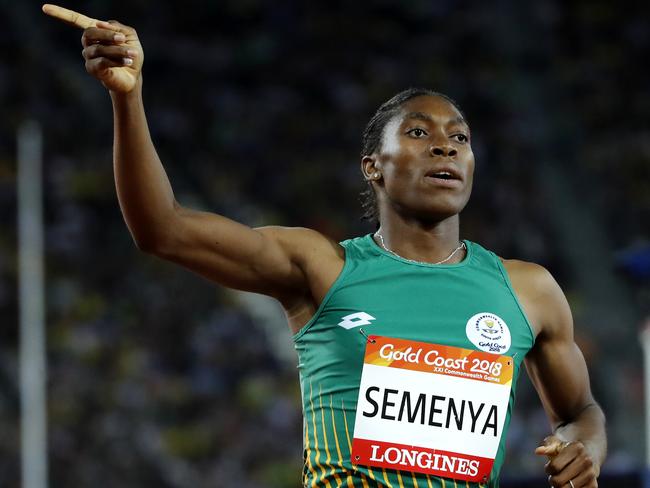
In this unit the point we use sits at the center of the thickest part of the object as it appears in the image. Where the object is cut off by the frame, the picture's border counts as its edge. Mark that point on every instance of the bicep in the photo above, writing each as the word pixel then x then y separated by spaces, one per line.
pixel 232 254
pixel 560 376
pixel 556 365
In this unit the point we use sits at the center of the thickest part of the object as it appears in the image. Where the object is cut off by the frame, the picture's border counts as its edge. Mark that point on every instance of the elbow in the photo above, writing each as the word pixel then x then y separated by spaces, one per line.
pixel 147 246
pixel 155 236
pixel 150 244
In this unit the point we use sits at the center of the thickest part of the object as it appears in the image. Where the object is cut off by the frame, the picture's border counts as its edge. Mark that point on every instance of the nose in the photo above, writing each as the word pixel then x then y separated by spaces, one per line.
pixel 444 150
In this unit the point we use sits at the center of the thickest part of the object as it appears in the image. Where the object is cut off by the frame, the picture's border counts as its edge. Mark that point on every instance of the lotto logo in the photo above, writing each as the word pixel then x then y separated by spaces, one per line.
pixel 356 320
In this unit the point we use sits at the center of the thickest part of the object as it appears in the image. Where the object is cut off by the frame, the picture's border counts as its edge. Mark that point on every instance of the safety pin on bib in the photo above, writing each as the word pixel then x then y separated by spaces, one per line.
pixel 363 333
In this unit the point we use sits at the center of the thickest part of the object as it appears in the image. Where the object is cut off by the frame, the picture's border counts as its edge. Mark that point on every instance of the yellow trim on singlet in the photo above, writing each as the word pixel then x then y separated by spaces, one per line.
pixel 364 481
pixel 415 481
pixel 371 474
pixel 443 483
pixel 429 482
pixel 336 437
pixel 399 479
pixel 338 446
pixel 308 454
pixel 328 460
pixel 317 458
pixel 350 481
pixel 386 478
pixel 347 435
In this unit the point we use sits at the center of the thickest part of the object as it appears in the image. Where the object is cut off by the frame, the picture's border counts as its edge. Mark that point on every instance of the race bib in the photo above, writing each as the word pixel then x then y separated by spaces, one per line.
pixel 430 408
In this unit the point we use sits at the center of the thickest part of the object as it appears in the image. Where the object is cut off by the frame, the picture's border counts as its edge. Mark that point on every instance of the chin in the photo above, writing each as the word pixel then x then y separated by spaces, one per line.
pixel 439 208
pixel 435 214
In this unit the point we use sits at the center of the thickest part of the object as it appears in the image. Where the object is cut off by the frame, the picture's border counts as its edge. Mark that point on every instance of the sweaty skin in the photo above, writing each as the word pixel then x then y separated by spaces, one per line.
pixel 418 216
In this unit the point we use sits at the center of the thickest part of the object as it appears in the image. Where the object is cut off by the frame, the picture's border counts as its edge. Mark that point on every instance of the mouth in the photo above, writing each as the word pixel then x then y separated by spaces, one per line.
pixel 444 174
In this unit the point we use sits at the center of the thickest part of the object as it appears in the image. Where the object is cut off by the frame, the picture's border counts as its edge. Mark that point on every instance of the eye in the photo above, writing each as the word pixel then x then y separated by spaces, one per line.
pixel 462 138
pixel 417 132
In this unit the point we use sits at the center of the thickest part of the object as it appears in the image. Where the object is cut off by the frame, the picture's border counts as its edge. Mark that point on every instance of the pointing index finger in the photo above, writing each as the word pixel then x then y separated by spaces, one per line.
pixel 70 17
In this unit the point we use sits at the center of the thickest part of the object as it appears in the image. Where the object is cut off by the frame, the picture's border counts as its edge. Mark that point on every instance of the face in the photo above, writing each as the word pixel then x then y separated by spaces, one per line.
pixel 425 163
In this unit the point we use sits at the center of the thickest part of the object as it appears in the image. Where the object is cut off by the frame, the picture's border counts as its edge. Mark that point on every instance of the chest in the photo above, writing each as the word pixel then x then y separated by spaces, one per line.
pixel 469 312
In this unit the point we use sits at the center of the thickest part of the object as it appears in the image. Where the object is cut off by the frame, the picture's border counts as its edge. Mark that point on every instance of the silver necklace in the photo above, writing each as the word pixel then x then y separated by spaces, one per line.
pixel 383 244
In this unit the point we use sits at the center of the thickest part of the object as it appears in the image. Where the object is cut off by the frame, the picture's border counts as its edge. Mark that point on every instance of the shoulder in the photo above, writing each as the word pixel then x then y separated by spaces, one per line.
pixel 541 296
pixel 532 278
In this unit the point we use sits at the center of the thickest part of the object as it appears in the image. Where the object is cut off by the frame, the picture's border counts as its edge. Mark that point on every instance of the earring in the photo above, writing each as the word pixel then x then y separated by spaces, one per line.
pixel 375 175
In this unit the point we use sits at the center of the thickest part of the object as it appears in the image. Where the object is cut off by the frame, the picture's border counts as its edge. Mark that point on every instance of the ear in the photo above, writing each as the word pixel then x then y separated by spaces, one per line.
pixel 370 168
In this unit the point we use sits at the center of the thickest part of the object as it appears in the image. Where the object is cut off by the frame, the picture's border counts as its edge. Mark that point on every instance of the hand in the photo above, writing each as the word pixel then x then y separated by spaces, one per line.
pixel 112 51
pixel 569 464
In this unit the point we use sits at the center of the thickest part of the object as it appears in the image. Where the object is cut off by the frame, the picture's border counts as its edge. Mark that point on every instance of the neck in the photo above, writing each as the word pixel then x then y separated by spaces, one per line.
pixel 425 242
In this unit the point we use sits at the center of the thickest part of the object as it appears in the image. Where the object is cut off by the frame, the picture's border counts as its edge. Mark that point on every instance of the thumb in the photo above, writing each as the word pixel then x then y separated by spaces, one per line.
pixel 551 446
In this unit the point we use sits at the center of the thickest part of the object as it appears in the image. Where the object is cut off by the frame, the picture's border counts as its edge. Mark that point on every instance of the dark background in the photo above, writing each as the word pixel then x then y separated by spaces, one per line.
pixel 157 377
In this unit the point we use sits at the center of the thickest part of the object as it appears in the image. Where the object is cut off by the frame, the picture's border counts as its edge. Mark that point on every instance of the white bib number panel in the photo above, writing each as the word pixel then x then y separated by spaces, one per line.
pixel 431 408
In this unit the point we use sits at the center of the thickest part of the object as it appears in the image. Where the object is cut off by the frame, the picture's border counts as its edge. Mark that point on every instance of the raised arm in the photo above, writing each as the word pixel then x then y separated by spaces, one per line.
pixel 557 368
pixel 271 260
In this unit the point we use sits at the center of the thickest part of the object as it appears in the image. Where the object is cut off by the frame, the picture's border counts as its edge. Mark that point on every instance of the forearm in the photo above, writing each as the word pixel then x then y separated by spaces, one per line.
pixel 143 189
pixel 589 428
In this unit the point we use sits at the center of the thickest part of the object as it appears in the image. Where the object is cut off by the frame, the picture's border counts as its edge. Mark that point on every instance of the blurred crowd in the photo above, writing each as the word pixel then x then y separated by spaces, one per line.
pixel 157 377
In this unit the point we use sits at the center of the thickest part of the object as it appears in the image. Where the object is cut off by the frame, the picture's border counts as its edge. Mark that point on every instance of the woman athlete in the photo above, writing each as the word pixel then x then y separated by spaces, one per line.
pixel 410 339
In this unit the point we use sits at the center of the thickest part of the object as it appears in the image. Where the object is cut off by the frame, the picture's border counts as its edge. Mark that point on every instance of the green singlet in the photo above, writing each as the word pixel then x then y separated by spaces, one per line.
pixel 378 293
